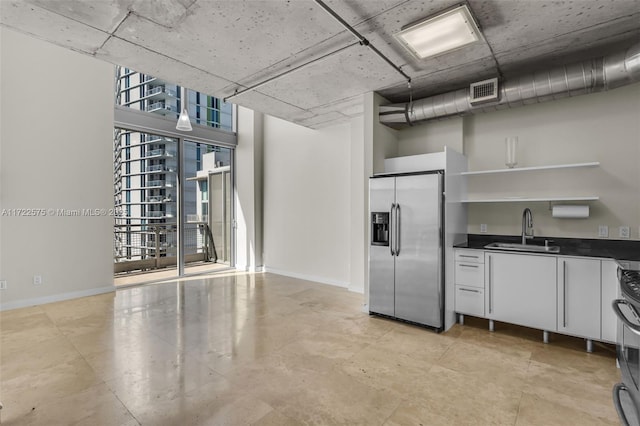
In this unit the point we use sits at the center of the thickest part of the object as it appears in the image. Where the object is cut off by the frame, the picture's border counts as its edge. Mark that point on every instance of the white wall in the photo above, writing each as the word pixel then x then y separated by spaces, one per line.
pixel 602 127
pixel 381 141
pixel 307 201
pixel 56 153
pixel 359 258
pixel 249 192
pixel 431 137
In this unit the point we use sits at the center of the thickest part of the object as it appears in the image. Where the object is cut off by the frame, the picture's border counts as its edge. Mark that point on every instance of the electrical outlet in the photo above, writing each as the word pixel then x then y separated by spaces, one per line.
pixel 483 228
pixel 603 231
pixel 624 231
pixel 3 285
pixel 37 280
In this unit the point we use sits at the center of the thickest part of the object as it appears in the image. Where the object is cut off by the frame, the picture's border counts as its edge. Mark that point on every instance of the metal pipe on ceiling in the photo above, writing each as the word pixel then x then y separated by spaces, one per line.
pixel 604 73
pixel 361 39
pixel 282 74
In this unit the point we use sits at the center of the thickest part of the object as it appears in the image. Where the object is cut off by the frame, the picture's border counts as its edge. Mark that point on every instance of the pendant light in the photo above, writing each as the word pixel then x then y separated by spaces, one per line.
pixel 184 123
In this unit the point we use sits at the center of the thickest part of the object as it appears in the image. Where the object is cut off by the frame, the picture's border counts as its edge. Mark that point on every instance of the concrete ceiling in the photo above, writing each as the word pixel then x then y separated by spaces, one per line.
pixel 218 47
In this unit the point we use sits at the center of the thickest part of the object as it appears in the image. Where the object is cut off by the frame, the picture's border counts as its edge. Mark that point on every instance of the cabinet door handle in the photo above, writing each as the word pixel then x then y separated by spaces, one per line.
pixel 468 266
pixel 466 255
pixel 490 288
pixel 564 293
pixel 469 290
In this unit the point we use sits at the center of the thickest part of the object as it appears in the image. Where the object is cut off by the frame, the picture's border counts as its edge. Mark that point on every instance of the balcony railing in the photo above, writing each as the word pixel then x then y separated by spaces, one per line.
pixel 197 218
pixel 161 183
pixel 161 107
pixel 160 89
pixel 146 247
pixel 157 168
pixel 159 153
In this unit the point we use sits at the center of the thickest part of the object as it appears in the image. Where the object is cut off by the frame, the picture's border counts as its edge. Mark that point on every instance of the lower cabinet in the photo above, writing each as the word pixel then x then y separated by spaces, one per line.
pixel 521 289
pixel 608 295
pixel 569 295
pixel 470 300
pixel 579 297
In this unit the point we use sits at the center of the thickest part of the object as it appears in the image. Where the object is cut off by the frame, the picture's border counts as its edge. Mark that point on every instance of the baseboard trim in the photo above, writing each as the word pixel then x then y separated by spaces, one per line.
pixel 23 303
pixel 357 290
pixel 245 268
pixel 321 280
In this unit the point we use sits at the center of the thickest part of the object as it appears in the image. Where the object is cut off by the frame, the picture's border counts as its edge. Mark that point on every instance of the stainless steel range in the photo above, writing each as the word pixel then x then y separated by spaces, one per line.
pixel 626 394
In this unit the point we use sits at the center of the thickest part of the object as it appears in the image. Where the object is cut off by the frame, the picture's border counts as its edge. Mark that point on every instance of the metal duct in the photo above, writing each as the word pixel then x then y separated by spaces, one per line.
pixel 604 73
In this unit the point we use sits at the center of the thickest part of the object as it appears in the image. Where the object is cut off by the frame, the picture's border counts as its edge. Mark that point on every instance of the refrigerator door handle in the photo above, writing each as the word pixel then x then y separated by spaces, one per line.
pixel 398 212
pixel 391 231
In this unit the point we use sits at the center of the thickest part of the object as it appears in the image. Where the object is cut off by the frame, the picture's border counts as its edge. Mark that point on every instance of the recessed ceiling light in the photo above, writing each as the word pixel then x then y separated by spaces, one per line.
pixel 442 33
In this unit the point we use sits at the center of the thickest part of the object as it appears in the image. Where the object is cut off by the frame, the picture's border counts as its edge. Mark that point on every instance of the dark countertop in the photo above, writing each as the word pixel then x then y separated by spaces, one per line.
pixel 612 249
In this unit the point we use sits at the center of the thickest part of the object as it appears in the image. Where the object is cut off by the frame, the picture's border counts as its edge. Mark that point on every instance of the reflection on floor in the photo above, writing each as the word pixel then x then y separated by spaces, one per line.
pixel 265 349
pixel 161 275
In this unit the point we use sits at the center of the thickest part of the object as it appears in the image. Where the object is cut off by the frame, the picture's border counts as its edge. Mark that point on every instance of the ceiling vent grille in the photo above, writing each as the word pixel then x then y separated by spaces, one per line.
pixel 483 91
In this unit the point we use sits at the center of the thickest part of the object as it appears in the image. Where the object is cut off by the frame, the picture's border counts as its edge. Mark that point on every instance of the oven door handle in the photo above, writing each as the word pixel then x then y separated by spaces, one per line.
pixel 619 387
pixel 616 308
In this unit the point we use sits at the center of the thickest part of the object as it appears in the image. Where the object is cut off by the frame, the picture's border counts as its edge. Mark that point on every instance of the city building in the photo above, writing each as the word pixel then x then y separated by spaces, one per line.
pixel 145 172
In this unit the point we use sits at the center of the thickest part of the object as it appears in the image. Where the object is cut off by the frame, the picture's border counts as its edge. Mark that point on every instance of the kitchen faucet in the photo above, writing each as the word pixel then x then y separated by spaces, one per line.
pixel 527 223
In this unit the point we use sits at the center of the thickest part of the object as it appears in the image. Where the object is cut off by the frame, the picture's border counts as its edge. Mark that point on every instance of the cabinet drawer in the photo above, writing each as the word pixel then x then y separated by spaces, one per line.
pixel 470 256
pixel 470 301
pixel 469 274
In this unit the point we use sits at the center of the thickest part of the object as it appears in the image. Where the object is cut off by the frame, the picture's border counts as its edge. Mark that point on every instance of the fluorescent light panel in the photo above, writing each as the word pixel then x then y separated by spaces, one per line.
pixel 447 31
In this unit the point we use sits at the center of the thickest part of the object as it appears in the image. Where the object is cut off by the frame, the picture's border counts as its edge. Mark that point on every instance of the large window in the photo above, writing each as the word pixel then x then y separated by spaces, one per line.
pixel 157 174
pixel 147 93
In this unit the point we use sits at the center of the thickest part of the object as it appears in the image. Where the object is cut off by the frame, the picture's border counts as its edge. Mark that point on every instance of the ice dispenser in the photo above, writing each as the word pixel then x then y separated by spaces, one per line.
pixel 380 228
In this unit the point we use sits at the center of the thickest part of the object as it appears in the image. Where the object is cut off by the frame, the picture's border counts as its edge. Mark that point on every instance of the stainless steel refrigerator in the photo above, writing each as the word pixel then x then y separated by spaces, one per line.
pixel 406 253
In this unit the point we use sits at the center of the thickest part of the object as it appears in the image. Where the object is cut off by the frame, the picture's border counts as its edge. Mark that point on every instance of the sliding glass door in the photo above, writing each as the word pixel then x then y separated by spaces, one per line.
pixel 207 205
pixel 174 198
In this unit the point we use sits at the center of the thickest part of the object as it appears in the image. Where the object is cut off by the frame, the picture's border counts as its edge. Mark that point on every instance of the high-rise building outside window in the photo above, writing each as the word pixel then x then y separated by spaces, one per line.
pixel 146 164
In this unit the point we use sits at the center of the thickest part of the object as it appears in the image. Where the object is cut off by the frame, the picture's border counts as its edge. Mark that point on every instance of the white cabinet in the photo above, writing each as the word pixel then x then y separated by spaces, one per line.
pixel 609 293
pixel 579 297
pixel 521 289
pixel 470 301
pixel 469 282
pixel 474 256
pixel 470 274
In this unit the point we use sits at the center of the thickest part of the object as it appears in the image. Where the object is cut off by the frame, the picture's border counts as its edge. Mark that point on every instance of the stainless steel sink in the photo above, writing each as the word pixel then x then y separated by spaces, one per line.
pixel 523 247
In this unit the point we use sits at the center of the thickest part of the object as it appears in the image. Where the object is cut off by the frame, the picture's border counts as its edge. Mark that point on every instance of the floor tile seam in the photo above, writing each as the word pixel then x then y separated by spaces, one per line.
pixel 402 400
pixel 515 422
pixel 70 342
pixel 557 403
pixel 514 358
pixel 366 347
pixel 57 399
pixel 546 365
pixel 530 388
pixel 123 404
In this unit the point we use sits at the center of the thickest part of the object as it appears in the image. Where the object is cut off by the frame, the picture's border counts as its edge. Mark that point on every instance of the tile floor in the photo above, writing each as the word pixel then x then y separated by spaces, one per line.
pixel 167 274
pixel 235 349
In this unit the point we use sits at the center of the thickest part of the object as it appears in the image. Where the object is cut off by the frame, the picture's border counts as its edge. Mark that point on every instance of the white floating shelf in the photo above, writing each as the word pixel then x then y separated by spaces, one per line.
pixel 529 199
pixel 525 169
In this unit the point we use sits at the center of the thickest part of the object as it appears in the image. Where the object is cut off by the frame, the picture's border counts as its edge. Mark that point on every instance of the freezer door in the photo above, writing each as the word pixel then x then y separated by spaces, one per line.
pixel 381 262
pixel 418 276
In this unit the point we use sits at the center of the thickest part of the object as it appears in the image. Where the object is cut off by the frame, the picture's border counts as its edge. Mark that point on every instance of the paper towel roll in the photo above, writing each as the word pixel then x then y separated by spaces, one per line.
pixel 570 212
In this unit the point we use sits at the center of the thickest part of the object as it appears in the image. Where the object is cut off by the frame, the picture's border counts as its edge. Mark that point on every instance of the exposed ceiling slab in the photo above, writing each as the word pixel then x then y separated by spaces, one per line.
pixel 45 25
pixel 221 46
